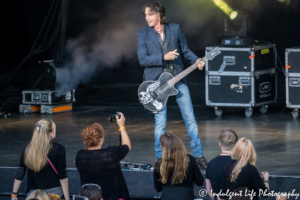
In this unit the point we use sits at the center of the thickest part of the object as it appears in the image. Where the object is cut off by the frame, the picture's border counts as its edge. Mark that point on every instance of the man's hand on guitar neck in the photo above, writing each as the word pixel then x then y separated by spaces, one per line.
pixel 201 63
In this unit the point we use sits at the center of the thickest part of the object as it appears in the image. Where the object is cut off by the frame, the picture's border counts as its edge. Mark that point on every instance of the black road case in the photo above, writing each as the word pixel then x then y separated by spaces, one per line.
pixel 241 77
pixel 292 69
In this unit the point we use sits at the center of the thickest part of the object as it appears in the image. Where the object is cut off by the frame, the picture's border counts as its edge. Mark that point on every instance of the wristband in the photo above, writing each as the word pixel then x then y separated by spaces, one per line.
pixel 266 181
pixel 14 195
pixel 122 128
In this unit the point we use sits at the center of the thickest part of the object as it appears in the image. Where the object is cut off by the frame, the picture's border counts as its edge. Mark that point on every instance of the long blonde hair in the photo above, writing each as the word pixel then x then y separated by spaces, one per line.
pixel 38 194
pixel 244 152
pixel 35 157
pixel 174 159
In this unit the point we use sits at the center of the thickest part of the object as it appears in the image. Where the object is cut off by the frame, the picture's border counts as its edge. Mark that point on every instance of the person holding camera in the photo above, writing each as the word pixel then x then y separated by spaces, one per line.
pixel 101 166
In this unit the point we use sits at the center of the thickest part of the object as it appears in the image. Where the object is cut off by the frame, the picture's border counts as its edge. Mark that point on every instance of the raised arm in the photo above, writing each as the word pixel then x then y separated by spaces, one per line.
pixel 124 135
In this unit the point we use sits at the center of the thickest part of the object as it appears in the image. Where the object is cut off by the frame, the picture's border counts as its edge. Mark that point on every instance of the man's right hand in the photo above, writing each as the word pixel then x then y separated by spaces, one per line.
pixel 172 55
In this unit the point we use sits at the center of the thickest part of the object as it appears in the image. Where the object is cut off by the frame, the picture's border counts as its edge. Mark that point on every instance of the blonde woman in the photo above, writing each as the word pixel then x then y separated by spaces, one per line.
pixel 45 161
pixel 176 172
pixel 38 194
pixel 241 171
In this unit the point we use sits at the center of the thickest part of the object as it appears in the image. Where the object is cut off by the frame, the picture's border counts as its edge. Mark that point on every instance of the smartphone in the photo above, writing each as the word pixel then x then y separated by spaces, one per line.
pixel 77 197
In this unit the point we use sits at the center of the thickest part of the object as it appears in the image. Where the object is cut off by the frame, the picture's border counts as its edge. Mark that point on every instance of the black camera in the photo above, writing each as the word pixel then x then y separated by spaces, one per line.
pixel 113 116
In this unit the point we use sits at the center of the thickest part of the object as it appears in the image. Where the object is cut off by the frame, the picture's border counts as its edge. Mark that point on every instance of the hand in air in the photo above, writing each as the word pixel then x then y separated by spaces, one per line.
pixel 171 55
pixel 201 63
pixel 121 121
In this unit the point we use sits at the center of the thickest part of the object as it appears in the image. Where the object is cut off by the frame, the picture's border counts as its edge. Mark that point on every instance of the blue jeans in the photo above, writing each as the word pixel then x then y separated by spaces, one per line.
pixel 184 101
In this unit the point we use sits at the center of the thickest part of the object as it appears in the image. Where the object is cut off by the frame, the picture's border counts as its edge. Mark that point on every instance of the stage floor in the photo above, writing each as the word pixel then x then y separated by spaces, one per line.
pixel 275 135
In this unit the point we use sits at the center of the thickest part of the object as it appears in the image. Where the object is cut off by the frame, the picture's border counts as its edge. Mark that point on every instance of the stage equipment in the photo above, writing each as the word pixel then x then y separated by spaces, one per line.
pixel 292 69
pixel 154 94
pixel 135 166
pixel 46 97
pixel 53 109
pixel 237 31
pixel 232 14
pixel 241 77
pixel 50 74
pixel 27 108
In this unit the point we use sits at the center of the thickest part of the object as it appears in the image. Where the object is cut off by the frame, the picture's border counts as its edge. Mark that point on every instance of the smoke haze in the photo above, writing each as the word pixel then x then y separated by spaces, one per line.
pixel 112 37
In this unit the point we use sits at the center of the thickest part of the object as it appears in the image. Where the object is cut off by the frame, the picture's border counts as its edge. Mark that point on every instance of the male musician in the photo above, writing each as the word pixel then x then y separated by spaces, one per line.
pixel 160 46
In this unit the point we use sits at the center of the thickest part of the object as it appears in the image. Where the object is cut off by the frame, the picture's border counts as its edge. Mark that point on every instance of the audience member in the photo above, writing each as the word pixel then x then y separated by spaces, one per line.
pixel 176 172
pixel 101 165
pixel 214 173
pixel 91 191
pixel 46 163
pixel 241 171
pixel 54 197
pixel 38 194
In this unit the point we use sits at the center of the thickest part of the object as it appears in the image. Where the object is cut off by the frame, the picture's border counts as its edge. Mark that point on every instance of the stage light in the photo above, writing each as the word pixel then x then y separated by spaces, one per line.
pixel 232 14
pixel 285 1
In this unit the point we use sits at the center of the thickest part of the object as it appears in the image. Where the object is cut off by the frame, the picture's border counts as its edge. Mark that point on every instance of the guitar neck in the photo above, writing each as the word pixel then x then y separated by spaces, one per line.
pixel 183 74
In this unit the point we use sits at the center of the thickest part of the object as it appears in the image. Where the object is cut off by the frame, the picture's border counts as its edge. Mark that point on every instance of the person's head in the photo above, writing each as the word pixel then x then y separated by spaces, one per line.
pixel 35 157
pixel 93 135
pixel 154 13
pixel 38 194
pixel 91 191
pixel 241 193
pixel 54 197
pixel 227 139
pixel 174 158
pixel 244 152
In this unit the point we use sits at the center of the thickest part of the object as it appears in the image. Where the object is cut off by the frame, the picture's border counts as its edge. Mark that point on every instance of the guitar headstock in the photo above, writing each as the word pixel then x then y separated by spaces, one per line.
pixel 212 54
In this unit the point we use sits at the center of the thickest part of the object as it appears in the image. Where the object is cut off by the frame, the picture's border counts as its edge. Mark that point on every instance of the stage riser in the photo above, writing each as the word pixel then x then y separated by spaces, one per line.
pixel 140 184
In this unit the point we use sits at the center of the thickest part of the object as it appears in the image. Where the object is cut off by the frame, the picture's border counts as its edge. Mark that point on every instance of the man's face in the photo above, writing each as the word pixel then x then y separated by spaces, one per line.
pixel 152 18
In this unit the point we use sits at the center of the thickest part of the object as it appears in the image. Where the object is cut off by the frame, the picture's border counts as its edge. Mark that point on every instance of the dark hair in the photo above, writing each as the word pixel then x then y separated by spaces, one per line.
pixel 91 135
pixel 240 194
pixel 228 138
pixel 91 192
pixel 156 6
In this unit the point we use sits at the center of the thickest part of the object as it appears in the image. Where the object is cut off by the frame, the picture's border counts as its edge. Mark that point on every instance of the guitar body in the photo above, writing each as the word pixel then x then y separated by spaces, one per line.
pixel 154 94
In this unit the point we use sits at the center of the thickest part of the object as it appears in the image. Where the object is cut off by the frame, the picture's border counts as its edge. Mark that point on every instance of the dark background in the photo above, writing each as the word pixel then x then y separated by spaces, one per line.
pixel 109 28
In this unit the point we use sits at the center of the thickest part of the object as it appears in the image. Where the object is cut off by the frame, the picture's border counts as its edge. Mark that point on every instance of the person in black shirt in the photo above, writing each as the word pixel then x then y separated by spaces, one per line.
pixel 176 172
pixel 241 171
pixel 214 174
pixel 101 166
pixel 45 161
